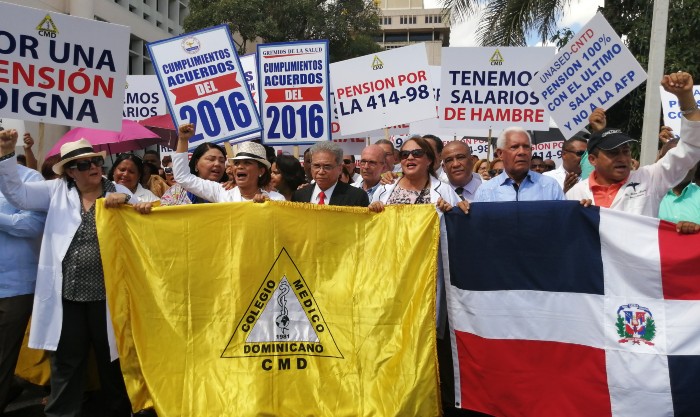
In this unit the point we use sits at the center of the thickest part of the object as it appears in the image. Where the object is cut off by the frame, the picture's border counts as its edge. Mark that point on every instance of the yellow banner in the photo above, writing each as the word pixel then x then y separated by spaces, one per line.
pixel 274 309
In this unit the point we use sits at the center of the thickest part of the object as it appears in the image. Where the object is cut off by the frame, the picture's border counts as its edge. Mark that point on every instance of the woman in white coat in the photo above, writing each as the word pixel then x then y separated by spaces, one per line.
pixel 418 184
pixel 251 172
pixel 70 311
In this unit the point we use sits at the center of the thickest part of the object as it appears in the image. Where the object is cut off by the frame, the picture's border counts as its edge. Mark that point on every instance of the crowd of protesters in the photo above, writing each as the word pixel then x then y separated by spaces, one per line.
pixel 47 225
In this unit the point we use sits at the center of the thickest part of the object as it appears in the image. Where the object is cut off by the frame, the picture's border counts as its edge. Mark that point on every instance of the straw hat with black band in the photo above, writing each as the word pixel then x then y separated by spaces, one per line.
pixel 254 151
pixel 71 151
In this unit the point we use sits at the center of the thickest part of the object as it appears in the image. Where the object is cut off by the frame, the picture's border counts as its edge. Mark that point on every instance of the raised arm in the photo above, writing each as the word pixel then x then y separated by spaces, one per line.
pixel 24 196
pixel 206 189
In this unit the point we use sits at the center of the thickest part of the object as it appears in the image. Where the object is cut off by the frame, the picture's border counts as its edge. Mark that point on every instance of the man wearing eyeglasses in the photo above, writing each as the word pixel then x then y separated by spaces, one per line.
pixel 372 163
pixel 569 173
pixel 326 166
pixel 614 185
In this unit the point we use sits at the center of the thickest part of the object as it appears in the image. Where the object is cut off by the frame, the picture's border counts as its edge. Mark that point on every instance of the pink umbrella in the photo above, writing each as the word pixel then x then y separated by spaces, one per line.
pixel 162 124
pixel 133 136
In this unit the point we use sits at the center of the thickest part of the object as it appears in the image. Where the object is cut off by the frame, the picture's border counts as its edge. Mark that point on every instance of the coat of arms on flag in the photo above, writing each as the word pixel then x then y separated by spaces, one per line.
pixel 635 324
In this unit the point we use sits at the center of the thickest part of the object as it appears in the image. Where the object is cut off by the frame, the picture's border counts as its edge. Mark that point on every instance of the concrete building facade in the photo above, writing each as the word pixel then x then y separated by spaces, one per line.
pixel 405 22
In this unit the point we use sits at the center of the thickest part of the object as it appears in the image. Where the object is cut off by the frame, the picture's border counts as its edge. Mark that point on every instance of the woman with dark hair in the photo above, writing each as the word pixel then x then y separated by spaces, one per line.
pixel 287 175
pixel 418 184
pixel 207 163
pixel 251 170
pixel 127 171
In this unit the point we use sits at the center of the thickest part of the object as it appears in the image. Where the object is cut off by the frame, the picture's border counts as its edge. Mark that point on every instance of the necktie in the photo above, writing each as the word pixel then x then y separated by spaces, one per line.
pixel 459 191
pixel 321 198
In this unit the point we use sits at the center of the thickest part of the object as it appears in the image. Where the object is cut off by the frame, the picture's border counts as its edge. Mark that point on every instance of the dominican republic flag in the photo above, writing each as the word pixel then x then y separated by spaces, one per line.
pixel 560 310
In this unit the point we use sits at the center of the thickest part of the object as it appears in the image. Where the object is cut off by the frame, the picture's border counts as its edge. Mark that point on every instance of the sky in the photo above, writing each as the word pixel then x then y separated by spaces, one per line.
pixel 574 17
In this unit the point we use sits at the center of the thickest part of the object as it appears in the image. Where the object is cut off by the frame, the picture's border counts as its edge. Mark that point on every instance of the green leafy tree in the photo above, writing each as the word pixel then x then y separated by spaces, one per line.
pixel 347 24
pixel 508 22
pixel 632 19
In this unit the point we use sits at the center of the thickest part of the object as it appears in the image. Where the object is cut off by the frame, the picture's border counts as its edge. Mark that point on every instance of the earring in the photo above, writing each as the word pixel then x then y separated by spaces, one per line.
pixel 260 176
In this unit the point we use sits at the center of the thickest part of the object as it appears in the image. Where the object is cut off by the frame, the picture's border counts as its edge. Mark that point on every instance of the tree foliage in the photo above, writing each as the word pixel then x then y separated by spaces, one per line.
pixel 508 22
pixel 346 24
pixel 632 20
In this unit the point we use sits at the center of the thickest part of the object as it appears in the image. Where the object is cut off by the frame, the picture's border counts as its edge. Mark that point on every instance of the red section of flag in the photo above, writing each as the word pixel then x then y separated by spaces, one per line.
pixel 531 378
pixel 291 95
pixel 680 263
pixel 205 88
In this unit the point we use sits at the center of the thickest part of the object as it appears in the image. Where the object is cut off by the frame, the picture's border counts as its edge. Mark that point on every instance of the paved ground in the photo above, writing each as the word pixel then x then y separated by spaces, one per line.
pixel 29 403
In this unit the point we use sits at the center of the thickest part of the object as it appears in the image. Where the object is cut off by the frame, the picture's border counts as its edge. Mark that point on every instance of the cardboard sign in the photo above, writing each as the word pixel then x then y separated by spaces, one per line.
pixel 593 70
pixel 672 111
pixel 143 97
pixel 294 92
pixel 61 69
pixel 385 89
pixel 489 88
pixel 249 63
pixel 204 84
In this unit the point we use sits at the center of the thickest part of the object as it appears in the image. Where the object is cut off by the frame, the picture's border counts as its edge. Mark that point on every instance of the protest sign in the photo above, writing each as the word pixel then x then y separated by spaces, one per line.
pixel 61 69
pixel 249 64
pixel 204 84
pixel 489 88
pixel 595 69
pixel 294 104
pixel 672 110
pixel 143 97
pixel 402 129
pixel 384 89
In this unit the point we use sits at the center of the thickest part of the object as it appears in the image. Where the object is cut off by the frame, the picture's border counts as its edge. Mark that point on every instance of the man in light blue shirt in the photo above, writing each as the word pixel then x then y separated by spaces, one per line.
pixel 517 182
pixel 20 239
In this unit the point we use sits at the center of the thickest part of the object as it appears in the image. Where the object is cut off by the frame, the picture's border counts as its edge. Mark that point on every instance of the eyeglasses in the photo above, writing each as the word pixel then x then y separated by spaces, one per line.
pixel 417 153
pixel 494 172
pixel 348 161
pixel 85 164
pixel 577 153
pixel 318 167
pixel 369 163
pixel 168 170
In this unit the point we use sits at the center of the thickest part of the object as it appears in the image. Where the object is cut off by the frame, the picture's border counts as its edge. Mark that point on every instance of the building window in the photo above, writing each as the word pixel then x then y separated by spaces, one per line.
pixel 386 20
pixel 408 20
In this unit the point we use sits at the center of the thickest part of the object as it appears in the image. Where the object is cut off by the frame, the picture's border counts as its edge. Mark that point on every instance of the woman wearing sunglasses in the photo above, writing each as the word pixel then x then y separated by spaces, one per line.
pixel 418 184
pixel 70 311
pixel 127 171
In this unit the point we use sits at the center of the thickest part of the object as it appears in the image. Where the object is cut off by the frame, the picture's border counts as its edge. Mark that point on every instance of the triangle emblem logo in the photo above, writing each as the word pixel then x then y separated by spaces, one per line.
pixel 282 319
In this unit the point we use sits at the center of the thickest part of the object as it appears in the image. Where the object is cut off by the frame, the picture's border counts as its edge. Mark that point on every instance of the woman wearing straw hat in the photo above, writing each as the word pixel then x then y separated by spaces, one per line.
pixel 70 311
pixel 251 171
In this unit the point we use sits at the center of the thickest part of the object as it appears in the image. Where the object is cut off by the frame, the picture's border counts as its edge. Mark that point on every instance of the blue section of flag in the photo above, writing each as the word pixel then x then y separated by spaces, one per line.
pixel 684 373
pixel 556 259
pixel 628 316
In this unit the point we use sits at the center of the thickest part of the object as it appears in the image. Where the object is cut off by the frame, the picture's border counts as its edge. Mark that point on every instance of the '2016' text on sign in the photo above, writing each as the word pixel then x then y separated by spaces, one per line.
pixel 203 82
pixel 294 89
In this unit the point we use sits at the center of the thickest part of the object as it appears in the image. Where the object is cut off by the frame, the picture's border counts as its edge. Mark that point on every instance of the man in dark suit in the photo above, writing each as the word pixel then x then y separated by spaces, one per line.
pixel 326 166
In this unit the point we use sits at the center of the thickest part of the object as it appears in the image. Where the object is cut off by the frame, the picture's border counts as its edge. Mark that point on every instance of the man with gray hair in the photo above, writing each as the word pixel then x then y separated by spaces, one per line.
pixel 372 163
pixel 326 167
pixel 517 182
